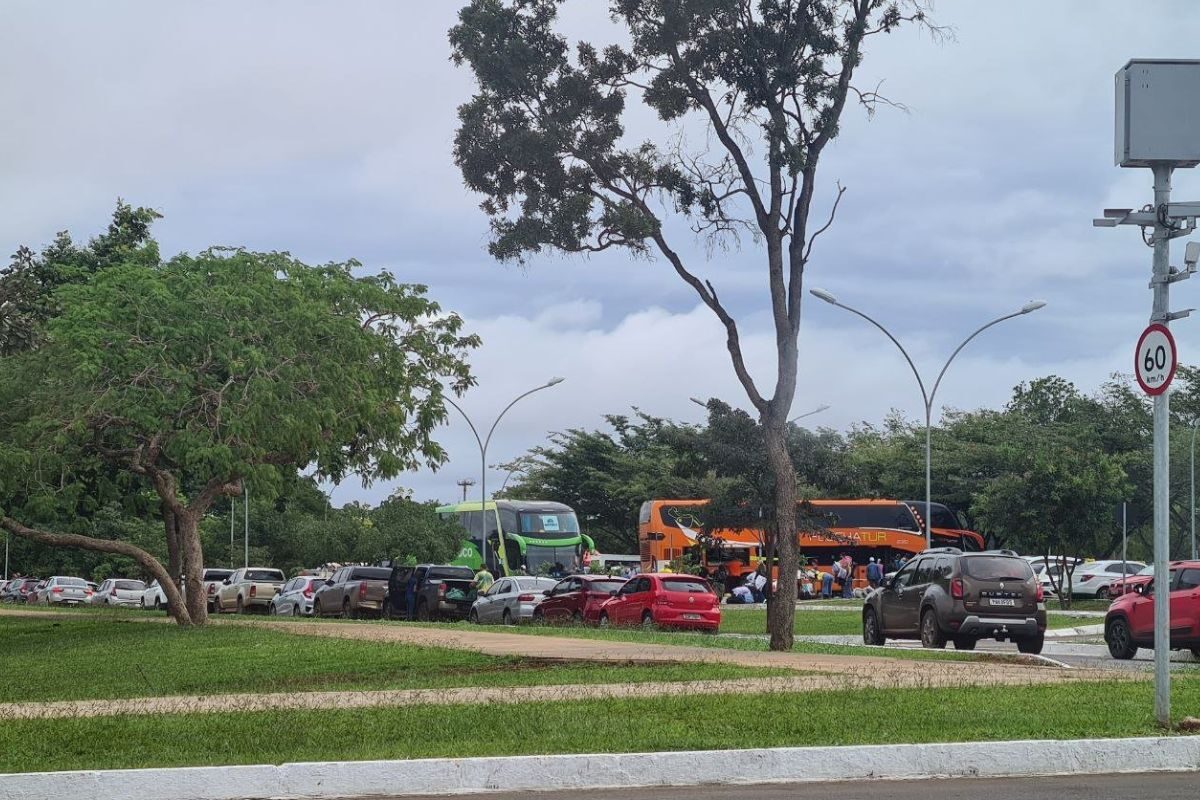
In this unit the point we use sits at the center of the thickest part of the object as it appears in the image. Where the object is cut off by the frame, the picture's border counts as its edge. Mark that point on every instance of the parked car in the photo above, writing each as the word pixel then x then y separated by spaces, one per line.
pixel 664 600
pixel 1096 578
pixel 295 599
pixel 511 600
pixel 352 592
pixel 212 580
pixel 65 591
pixel 1129 623
pixel 18 589
pixel 153 596
pixel 247 589
pixel 1129 584
pixel 944 594
pixel 577 598
pixel 429 591
pixel 118 592
pixel 1050 575
pixel 36 594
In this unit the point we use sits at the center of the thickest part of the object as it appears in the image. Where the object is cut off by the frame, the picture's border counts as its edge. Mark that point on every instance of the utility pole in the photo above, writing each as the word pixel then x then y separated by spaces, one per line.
pixel 246 508
pixel 466 483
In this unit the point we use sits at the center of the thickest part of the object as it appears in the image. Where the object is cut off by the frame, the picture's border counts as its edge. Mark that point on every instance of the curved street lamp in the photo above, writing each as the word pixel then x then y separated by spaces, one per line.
pixel 1031 306
pixel 483 446
pixel 817 410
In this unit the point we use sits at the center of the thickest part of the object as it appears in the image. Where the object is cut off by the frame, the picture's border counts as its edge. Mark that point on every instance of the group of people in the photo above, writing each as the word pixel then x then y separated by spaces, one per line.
pixel 813 583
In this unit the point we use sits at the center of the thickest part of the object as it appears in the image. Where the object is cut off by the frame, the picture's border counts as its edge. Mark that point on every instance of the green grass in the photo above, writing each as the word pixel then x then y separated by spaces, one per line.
pixel 878 716
pixel 843 623
pixel 96 657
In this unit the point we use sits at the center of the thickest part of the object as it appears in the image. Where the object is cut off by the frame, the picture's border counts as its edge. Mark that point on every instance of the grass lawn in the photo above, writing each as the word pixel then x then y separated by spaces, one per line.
pixel 98 657
pixel 880 716
pixel 842 623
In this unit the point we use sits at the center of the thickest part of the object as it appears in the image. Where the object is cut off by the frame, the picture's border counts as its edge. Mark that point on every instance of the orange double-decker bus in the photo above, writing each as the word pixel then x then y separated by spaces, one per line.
pixel 946 527
pixel 862 529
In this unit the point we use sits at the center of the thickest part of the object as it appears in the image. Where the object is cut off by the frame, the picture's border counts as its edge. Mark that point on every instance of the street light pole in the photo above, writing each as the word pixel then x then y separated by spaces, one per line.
pixel 483 446
pixel 816 410
pixel 1195 422
pixel 929 396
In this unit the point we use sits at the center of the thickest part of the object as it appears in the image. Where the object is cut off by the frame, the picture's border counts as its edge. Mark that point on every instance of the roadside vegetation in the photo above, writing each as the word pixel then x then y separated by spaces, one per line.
pixel 874 716
pixel 98 657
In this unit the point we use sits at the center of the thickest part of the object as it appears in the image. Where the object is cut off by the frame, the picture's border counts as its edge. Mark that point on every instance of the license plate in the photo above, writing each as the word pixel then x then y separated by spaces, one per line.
pixel 691 616
pixel 998 602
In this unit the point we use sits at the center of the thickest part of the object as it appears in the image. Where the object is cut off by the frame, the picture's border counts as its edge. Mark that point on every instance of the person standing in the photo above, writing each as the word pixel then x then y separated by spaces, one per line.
pixel 848 581
pixel 874 573
pixel 483 580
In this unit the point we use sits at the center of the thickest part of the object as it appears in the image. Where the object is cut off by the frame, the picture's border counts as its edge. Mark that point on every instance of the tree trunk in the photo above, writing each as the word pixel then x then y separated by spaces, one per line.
pixel 174 557
pixel 193 566
pixel 148 562
pixel 781 608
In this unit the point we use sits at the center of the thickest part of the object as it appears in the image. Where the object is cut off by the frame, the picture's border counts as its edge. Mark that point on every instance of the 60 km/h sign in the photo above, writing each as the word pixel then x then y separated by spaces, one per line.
pixel 1154 361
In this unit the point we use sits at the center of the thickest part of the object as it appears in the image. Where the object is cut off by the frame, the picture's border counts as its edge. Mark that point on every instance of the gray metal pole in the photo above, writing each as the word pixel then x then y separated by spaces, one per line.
pixel 232 517
pixel 246 509
pixel 928 474
pixel 1124 543
pixel 1194 488
pixel 1162 488
pixel 6 535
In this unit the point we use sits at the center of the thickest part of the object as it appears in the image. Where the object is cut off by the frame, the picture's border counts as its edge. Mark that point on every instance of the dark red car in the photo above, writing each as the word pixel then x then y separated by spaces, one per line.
pixel 666 600
pixel 1129 624
pixel 577 598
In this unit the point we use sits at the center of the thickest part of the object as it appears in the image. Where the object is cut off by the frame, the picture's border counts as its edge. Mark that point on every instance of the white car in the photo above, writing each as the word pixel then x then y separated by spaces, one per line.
pixel 1095 578
pixel 118 592
pixel 1050 587
pixel 154 597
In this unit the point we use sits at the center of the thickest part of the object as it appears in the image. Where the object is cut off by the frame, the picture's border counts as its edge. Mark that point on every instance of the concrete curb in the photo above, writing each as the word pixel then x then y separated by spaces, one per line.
pixel 556 773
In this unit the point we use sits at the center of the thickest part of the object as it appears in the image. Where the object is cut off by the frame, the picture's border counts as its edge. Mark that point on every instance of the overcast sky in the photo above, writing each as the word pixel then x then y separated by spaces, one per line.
pixel 325 129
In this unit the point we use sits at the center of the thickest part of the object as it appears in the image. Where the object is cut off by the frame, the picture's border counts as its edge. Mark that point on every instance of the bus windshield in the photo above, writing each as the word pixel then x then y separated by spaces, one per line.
pixel 557 561
pixel 548 525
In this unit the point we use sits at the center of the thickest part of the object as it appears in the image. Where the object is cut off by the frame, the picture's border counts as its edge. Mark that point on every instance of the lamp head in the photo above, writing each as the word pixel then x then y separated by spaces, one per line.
pixel 821 294
pixel 1032 305
pixel 698 402
pixel 823 407
pixel 554 381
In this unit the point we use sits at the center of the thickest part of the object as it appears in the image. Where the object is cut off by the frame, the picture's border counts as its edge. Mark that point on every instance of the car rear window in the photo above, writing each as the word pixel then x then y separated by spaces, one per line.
pixel 216 574
pixel 371 574
pixel 451 574
pixel 997 568
pixel 72 582
pixel 612 586
pixel 264 575
pixel 131 585
pixel 684 585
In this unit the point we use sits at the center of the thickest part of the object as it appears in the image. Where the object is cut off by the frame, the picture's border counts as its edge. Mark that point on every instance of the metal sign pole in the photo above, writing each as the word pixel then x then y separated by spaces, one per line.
pixel 1162 419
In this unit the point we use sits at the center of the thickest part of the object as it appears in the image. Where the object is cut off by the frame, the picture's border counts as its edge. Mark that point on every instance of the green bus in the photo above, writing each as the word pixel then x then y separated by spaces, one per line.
pixel 541 537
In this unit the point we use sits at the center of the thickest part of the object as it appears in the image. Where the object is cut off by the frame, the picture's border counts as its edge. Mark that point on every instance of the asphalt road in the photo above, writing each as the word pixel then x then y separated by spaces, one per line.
pixel 1156 785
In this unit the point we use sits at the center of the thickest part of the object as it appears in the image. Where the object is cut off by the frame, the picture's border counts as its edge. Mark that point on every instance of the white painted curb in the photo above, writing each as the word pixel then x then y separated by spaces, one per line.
pixel 556 773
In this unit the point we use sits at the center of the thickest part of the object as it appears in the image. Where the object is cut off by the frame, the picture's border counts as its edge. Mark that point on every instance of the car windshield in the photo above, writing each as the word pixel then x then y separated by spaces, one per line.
pixel 1146 570
pixel 684 585
pixel 370 574
pixel 605 586
pixel 264 575
pixel 136 586
pixel 997 568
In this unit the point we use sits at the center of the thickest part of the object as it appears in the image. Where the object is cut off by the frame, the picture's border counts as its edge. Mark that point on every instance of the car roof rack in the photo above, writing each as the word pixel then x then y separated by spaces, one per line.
pixel 1004 551
pixel 953 551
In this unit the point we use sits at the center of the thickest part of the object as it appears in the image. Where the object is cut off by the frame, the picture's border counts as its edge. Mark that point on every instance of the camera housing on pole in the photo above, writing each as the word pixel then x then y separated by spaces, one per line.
pixel 1158 126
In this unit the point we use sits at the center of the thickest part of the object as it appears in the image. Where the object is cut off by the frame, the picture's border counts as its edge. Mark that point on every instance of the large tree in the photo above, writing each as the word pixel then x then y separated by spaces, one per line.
pixel 763 85
pixel 193 376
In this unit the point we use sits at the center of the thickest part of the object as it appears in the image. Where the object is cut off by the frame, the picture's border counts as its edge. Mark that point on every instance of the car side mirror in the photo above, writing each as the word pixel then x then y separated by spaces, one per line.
pixel 548 593
pixel 1140 588
pixel 226 581
pixel 613 593
pixel 329 582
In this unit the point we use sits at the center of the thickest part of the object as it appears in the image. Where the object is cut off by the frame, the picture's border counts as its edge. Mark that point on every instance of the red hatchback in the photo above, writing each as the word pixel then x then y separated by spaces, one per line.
pixel 665 600
pixel 1129 623
pixel 577 598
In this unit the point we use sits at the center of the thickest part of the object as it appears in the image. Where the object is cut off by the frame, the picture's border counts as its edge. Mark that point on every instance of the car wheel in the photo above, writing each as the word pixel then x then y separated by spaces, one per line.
pixel 647 620
pixel 931 634
pixel 271 610
pixel 872 635
pixel 577 618
pixel 241 608
pixel 1120 640
pixel 142 603
pixel 158 605
pixel 346 612
pixel 507 617
pixel 1031 646
pixel 1196 653
pixel 473 617
pixel 423 614
pixel 604 620
pixel 539 618
pixel 385 608
pixel 1102 593
pixel 317 608
pixel 964 643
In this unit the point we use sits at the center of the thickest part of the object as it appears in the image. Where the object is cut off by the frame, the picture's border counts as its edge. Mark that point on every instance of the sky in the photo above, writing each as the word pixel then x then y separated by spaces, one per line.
pixel 325 129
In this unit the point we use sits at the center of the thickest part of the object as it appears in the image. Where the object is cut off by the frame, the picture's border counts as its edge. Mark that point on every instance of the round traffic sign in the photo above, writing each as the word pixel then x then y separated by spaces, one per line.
pixel 1154 361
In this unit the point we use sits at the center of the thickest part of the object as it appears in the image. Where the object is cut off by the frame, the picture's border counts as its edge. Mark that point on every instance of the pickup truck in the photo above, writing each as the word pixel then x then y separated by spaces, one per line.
pixel 351 592
pixel 248 588
pixel 212 578
pixel 429 591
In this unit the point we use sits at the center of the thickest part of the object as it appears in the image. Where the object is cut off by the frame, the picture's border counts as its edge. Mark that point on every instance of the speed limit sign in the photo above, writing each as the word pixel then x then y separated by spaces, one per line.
pixel 1154 360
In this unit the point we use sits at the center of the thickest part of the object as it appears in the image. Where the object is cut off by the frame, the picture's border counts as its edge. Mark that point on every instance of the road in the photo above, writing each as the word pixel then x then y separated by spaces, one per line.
pixel 1157 785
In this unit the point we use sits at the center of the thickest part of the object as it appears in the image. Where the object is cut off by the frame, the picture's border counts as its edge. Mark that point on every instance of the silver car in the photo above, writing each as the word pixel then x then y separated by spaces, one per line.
pixel 119 592
pixel 510 600
pixel 63 590
pixel 295 599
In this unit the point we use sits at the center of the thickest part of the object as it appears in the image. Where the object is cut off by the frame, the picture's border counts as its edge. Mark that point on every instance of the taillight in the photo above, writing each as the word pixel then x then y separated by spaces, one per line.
pixel 362 591
pixel 525 598
pixel 212 588
pixel 441 589
pixel 57 590
pixel 956 589
pixel 1041 593
pixel 308 590
pixel 253 589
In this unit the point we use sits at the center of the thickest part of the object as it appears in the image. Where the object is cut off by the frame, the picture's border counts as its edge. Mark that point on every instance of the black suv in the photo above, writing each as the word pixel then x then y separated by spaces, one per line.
pixel 943 594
